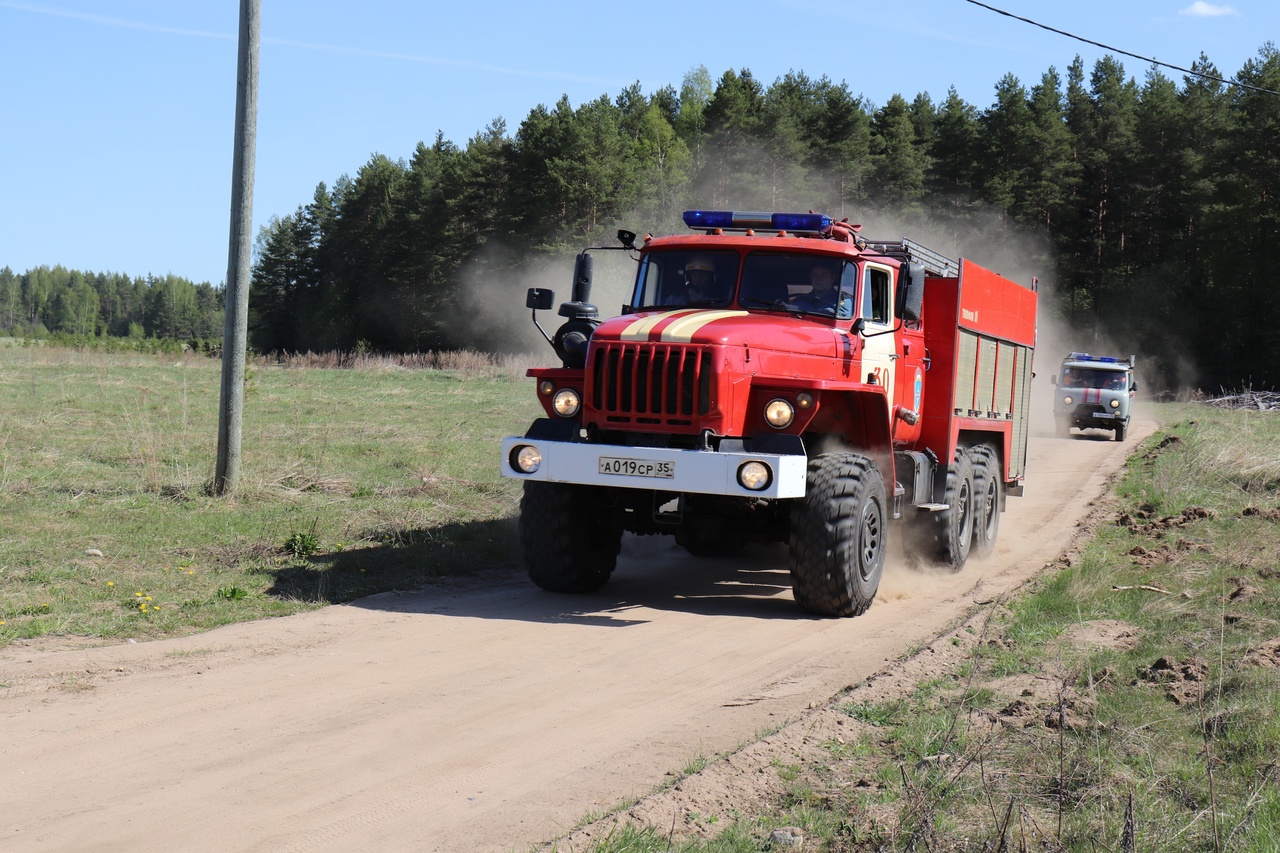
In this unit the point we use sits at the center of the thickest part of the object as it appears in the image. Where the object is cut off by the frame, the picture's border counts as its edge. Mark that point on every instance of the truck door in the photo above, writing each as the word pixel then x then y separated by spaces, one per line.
pixel 879 349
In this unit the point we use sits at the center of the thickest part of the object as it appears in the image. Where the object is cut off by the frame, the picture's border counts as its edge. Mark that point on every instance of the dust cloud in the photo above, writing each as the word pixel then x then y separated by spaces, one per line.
pixel 491 302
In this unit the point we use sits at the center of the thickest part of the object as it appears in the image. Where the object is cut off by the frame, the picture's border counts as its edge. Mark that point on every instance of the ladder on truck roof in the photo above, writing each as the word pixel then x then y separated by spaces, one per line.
pixel 935 264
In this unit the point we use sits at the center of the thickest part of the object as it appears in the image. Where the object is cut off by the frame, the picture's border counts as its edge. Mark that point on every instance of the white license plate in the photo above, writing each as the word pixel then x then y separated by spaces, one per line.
pixel 623 467
pixel 1103 415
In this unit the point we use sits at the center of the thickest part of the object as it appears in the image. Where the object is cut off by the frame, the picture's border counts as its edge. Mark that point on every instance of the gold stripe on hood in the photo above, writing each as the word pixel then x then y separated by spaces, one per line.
pixel 683 330
pixel 640 329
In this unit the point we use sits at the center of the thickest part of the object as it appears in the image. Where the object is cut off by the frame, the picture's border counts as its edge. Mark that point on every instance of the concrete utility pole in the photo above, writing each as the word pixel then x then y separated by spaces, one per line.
pixel 231 407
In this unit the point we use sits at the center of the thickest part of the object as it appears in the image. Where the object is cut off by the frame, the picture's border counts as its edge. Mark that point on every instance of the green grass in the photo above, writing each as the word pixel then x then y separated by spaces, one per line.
pixel 352 482
pixel 1172 743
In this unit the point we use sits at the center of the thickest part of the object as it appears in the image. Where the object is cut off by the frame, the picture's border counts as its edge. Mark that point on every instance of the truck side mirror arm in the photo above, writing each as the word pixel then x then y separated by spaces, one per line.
pixel 539 298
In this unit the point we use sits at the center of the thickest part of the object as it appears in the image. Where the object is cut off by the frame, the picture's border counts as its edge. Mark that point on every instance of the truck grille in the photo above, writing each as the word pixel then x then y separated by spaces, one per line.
pixel 650 383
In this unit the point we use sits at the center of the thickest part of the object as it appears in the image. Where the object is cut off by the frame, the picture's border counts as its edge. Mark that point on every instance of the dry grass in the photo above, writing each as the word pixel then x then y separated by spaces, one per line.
pixel 392 469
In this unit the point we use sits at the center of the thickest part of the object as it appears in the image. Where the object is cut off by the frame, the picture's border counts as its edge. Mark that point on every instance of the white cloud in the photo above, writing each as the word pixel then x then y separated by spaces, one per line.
pixel 1201 9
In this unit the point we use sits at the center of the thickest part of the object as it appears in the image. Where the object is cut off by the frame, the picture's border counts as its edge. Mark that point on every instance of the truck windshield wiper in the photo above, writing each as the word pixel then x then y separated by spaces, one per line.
pixel 779 304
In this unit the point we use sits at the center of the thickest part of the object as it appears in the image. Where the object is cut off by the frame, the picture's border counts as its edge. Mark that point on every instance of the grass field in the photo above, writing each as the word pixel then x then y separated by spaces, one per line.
pixel 353 481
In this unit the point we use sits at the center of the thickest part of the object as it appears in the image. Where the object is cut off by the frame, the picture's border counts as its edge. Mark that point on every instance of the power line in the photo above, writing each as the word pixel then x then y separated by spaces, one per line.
pixel 1152 60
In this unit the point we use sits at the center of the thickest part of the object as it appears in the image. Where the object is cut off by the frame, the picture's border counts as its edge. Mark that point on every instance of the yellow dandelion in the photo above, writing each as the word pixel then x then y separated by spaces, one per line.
pixel 191 571
pixel 148 598
pixel 111 583
pixel 138 595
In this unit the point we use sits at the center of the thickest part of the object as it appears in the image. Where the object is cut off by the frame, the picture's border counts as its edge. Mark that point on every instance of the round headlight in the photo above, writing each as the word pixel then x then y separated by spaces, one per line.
pixel 566 402
pixel 545 387
pixel 804 400
pixel 1115 404
pixel 526 458
pixel 779 413
pixel 754 476
pixel 1067 400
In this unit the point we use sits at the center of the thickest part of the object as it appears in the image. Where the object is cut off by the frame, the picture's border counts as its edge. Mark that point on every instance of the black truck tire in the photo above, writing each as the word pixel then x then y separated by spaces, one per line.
pixel 988 489
pixel 838 536
pixel 1120 431
pixel 568 538
pixel 953 526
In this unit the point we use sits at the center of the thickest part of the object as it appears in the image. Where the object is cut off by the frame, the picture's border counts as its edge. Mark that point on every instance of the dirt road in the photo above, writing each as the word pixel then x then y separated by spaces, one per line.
pixel 480 718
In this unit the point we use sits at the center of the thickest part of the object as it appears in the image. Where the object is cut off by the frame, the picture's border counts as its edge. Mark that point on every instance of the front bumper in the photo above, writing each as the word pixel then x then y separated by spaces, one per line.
pixel 705 472
pixel 1091 416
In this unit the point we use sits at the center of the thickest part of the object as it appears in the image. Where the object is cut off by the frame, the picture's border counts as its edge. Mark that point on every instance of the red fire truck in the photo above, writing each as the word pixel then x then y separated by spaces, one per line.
pixel 776 377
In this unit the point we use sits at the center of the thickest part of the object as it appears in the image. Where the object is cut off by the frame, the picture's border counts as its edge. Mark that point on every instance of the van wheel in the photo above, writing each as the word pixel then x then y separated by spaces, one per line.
pixel 838 536
pixel 1121 429
pixel 569 539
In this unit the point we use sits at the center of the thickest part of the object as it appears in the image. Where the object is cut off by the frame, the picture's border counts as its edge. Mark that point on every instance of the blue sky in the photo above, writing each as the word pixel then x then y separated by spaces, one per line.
pixel 118 114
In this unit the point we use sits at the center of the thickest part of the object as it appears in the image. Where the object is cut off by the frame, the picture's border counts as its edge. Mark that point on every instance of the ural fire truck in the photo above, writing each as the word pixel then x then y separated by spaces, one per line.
pixel 743 396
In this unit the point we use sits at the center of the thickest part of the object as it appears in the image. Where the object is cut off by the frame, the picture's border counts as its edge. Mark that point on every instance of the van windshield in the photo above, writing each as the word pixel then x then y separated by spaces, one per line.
pixel 1085 377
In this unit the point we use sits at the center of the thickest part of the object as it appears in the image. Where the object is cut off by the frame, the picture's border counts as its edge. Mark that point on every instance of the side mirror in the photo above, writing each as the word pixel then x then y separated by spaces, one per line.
pixel 1053 380
pixel 912 302
pixel 540 299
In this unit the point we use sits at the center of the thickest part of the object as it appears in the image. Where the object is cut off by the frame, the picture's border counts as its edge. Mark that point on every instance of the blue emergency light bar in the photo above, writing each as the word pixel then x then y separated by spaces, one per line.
pixel 1084 356
pixel 740 219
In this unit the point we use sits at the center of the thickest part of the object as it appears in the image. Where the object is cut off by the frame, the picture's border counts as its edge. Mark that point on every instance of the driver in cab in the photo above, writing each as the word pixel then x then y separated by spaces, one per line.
pixel 701 287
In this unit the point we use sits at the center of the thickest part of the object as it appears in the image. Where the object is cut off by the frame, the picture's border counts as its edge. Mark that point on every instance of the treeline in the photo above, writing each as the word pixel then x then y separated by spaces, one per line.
pixel 1156 203
pixel 72 305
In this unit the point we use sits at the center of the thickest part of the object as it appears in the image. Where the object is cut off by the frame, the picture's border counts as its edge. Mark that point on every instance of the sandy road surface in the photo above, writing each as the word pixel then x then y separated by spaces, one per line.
pixel 481 718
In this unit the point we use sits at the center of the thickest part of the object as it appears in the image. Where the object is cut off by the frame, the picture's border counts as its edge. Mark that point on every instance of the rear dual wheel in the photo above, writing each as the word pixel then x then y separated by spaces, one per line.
pixel 988 490
pixel 953 526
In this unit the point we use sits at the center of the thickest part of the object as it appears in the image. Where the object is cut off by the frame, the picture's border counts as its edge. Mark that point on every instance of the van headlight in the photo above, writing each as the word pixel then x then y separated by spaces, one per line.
pixel 1067 400
pixel 755 476
pixel 779 413
pixel 566 402
pixel 525 458
pixel 1115 404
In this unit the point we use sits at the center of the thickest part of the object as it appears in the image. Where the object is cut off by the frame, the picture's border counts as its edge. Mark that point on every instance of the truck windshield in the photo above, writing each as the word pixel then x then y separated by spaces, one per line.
pixel 1085 377
pixel 812 284
pixel 699 279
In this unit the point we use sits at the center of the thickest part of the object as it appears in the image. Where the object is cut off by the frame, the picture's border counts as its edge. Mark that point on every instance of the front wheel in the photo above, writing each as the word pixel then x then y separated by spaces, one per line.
pixel 1120 431
pixel 838 537
pixel 569 539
